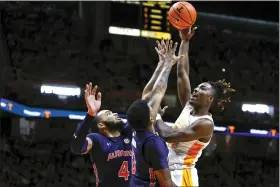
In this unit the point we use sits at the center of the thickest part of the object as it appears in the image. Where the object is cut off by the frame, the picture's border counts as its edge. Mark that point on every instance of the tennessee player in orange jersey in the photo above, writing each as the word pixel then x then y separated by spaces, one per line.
pixel 193 129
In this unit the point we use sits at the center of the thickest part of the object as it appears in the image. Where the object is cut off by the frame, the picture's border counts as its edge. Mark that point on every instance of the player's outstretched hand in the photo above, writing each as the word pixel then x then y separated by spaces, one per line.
pixel 93 104
pixel 160 47
pixel 167 52
pixel 187 34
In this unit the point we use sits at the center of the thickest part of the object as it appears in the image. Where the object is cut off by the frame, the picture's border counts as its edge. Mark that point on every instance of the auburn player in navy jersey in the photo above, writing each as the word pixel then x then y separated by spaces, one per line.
pixel 109 148
pixel 150 165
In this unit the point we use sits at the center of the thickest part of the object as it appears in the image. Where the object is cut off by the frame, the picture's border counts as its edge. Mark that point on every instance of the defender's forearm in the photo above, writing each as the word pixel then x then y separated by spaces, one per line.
pixel 159 90
pixel 160 85
pixel 79 137
pixel 149 87
pixel 163 129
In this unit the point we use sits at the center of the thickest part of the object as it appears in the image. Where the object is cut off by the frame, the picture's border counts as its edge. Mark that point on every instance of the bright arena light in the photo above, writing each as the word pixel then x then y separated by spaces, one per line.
pixel 61 90
pixel 257 131
pixel 124 31
pixel 258 108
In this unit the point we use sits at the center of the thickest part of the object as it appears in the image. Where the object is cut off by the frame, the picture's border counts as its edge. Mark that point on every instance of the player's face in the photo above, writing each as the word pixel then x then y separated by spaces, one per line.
pixel 202 95
pixel 111 120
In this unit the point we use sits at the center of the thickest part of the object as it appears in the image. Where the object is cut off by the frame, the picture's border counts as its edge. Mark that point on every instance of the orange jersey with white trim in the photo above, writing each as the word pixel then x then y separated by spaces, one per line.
pixel 185 154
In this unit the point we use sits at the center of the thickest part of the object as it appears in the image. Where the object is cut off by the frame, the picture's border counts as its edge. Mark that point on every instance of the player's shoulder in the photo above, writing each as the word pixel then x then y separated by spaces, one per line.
pixel 155 140
pixel 204 123
pixel 156 146
pixel 96 137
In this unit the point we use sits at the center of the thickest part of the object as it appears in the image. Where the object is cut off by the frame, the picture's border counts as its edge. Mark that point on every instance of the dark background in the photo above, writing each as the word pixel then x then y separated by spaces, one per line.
pixel 261 10
pixel 69 43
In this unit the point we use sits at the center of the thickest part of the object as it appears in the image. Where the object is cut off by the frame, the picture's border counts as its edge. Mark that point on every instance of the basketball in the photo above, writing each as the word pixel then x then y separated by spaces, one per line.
pixel 182 15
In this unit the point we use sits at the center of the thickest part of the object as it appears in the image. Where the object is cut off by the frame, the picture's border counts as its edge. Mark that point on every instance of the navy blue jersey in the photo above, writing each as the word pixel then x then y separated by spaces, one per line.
pixel 149 154
pixel 111 159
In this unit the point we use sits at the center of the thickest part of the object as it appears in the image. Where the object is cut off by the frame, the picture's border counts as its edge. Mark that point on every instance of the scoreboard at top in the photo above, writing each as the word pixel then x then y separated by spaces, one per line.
pixel 147 16
pixel 155 16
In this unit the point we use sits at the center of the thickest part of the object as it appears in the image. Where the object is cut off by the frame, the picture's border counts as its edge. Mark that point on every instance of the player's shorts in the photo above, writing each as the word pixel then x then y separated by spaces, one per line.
pixel 186 177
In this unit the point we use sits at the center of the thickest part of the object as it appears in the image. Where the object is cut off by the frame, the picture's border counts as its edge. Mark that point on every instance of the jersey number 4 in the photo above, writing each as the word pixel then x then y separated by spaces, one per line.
pixel 124 172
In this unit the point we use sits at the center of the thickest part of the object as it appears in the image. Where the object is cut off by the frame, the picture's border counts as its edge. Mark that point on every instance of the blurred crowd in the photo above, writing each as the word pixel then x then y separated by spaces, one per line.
pixel 46 43
pixel 26 162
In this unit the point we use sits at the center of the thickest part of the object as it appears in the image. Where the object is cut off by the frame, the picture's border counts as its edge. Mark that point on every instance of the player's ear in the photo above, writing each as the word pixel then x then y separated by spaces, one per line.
pixel 211 99
pixel 101 125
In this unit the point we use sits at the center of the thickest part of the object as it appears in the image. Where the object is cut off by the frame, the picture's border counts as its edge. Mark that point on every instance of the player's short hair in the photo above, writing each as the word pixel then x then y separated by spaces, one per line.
pixel 138 115
pixel 221 89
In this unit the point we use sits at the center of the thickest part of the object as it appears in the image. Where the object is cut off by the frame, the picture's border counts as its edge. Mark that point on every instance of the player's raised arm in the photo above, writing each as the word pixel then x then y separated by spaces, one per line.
pixel 147 92
pixel 81 144
pixel 183 81
pixel 169 59
pixel 200 129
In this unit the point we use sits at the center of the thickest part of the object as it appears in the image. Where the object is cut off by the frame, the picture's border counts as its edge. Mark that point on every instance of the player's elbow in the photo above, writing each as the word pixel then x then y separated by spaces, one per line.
pixel 146 97
pixel 78 147
pixel 78 151
pixel 75 149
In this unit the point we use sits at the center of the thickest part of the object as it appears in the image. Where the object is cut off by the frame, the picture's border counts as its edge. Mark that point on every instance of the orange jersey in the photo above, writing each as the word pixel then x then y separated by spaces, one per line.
pixel 183 155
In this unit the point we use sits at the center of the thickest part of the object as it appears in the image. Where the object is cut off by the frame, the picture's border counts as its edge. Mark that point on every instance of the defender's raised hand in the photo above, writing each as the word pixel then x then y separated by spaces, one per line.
pixel 93 104
pixel 167 52
pixel 160 47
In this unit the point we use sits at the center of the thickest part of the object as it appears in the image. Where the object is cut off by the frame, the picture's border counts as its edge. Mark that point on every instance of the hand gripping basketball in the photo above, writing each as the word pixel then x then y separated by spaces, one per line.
pixel 93 105
pixel 187 34
pixel 182 15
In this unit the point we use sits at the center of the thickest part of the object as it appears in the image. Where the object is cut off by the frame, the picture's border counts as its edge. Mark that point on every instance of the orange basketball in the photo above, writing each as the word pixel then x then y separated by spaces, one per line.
pixel 182 15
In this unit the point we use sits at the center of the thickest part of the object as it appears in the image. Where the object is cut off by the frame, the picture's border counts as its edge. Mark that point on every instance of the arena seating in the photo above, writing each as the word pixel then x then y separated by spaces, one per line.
pixel 54 50
pixel 51 164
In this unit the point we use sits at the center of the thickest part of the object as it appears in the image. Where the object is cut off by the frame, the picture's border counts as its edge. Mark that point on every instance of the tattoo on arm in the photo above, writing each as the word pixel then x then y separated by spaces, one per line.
pixel 146 95
pixel 201 128
pixel 163 129
pixel 159 90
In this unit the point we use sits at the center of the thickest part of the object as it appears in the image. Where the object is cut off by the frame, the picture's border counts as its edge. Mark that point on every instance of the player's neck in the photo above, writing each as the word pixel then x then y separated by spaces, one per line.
pixel 151 129
pixel 200 112
pixel 112 134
